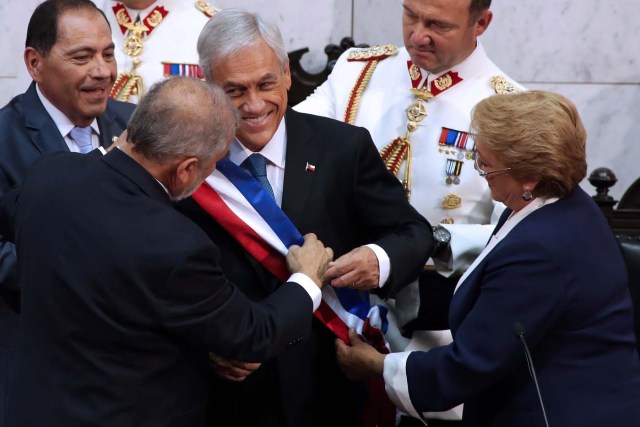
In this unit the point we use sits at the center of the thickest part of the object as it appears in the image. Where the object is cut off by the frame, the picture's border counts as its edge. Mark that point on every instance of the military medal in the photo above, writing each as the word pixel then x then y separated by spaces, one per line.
pixel 138 30
pixel 130 83
pixel 133 45
pixel 454 167
pixel 451 201
pixel 399 150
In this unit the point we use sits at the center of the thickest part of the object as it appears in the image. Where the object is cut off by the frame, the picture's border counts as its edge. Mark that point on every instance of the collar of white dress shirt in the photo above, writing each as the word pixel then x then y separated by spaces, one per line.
pixel 62 122
pixel 274 151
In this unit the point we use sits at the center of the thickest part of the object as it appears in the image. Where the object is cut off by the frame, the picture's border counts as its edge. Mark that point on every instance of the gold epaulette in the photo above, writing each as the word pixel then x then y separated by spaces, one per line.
pixel 502 86
pixel 372 53
pixel 207 8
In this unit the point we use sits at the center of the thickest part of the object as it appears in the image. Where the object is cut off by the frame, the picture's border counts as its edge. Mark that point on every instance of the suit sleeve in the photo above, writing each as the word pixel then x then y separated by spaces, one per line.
pixel 390 220
pixel 200 306
pixel 8 261
pixel 526 284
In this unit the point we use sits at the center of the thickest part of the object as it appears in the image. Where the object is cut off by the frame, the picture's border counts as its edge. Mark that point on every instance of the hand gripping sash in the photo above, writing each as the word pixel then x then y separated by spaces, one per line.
pixel 240 205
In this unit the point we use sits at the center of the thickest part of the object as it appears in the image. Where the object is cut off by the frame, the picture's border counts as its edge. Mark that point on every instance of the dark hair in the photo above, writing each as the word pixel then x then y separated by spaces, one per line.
pixel 476 7
pixel 42 32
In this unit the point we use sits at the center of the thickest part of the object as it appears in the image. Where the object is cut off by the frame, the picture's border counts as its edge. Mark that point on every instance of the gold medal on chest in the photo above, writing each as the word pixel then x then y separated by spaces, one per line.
pixel 451 201
pixel 133 45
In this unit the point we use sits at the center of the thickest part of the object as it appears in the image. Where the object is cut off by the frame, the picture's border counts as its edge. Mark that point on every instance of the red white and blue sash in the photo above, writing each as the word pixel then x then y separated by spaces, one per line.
pixel 240 205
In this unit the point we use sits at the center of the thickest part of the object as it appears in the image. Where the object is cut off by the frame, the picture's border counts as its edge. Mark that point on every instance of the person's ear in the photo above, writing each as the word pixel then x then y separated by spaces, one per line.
pixel 287 74
pixel 186 171
pixel 482 23
pixel 33 61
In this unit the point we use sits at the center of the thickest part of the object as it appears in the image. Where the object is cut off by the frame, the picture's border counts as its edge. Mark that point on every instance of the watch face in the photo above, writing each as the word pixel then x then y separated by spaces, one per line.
pixel 441 234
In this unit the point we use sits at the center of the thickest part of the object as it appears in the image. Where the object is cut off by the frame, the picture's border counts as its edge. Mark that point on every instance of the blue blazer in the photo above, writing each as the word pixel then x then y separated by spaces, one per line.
pixel 26 132
pixel 559 272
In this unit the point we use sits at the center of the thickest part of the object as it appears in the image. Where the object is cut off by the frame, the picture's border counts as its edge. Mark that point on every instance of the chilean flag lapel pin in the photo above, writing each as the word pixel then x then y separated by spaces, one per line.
pixel 310 167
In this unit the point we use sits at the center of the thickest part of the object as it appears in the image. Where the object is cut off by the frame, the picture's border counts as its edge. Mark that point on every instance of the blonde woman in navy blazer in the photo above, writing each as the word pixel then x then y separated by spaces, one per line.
pixel 552 269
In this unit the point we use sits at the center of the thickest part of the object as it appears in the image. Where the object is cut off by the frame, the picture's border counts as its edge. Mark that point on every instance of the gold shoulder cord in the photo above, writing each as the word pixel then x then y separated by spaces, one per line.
pixel 356 92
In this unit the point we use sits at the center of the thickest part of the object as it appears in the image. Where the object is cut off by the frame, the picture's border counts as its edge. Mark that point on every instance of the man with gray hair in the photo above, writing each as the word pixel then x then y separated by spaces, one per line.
pixel 124 301
pixel 312 174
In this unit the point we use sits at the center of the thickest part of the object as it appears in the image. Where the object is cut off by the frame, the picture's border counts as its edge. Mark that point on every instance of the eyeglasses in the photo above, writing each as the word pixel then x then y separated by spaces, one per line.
pixel 484 173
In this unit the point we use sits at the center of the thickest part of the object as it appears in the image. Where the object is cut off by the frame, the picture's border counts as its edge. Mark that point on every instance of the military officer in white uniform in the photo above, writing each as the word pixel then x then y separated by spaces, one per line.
pixel 416 101
pixel 154 39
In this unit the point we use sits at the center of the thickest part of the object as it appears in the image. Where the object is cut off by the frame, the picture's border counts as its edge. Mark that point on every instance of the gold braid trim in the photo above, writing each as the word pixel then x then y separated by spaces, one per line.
pixel 356 92
pixel 125 85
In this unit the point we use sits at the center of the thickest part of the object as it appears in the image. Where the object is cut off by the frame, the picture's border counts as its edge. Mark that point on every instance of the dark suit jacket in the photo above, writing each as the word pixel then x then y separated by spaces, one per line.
pixel 122 304
pixel 349 200
pixel 559 272
pixel 26 132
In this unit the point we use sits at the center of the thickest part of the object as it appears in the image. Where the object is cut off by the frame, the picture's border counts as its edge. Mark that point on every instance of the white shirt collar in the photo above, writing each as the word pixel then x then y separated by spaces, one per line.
pixel 274 151
pixel 61 121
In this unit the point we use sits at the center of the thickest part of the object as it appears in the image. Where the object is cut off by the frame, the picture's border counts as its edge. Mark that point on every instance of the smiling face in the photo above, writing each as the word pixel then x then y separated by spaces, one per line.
pixel 257 85
pixel 437 33
pixel 79 70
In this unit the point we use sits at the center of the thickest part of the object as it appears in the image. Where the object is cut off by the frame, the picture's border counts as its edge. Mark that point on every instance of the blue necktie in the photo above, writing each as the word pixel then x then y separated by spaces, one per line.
pixel 82 137
pixel 256 165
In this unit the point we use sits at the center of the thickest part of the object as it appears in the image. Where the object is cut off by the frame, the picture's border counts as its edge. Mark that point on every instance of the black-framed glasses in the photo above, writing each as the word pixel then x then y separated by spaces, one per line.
pixel 484 173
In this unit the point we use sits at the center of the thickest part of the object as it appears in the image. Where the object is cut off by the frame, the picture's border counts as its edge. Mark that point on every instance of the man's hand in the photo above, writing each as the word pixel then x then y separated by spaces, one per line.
pixel 358 360
pixel 312 259
pixel 232 370
pixel 357 269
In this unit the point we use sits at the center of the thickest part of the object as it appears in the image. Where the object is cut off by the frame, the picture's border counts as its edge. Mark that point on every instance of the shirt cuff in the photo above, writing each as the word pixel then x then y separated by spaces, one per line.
pixel 308 285
pixel 384 263
pixel 395 382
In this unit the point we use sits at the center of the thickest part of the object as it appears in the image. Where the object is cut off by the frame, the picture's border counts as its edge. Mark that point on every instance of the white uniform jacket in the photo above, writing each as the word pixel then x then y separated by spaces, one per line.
pixel 382 111
pixel 171 43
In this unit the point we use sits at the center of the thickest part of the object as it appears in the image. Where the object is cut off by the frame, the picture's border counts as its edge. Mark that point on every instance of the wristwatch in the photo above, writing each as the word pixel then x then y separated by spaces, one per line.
pixel 442 237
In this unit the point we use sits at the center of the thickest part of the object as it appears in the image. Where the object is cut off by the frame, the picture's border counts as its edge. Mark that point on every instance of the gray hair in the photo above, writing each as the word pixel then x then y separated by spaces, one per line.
pixel 182 117
pixel 233 30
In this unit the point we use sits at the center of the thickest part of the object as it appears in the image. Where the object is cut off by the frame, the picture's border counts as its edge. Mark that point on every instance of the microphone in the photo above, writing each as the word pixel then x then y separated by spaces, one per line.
pixel 519 330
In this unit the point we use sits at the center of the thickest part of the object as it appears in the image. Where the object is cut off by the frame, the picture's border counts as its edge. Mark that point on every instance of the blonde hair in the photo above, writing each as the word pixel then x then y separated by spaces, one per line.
pixel 538 134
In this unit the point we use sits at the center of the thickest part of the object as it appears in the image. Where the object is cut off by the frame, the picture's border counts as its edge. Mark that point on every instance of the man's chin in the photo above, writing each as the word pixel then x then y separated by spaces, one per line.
pixel 181 196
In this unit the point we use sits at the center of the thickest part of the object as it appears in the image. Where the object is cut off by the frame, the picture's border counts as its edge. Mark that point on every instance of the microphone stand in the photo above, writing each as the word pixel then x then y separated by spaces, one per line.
pixel 519 330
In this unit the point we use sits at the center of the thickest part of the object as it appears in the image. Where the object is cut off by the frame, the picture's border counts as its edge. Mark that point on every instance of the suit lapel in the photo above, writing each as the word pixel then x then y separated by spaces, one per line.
pixel 105 123
pixel 302 156
pixel 43 132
